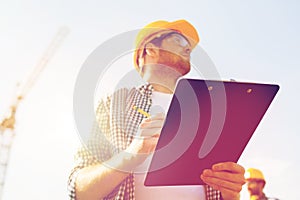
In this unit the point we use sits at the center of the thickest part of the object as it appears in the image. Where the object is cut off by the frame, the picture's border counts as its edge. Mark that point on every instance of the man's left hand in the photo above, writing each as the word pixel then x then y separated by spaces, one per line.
pixel 227 177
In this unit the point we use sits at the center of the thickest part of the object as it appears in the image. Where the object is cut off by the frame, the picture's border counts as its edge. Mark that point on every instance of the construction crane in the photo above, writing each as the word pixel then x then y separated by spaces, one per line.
pixel 7 125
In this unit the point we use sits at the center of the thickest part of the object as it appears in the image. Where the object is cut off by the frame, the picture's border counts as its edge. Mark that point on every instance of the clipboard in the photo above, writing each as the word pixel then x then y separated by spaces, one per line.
pixel 208 122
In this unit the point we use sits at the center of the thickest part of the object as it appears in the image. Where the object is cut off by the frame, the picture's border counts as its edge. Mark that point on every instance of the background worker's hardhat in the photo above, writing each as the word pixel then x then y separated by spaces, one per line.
pixel 157 29
pixel 254 174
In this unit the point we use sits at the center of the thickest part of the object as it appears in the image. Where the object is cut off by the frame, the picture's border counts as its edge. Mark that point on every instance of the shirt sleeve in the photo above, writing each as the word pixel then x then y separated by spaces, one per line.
pixel 212 194
pixel 96 150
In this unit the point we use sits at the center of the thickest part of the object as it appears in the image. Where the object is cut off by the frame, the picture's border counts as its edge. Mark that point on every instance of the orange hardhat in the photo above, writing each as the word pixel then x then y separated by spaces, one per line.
pixel 254 174
pixel 158 28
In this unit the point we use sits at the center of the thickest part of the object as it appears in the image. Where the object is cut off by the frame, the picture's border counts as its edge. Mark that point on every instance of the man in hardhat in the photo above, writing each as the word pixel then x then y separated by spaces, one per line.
pixel 256 183
pixel 106 166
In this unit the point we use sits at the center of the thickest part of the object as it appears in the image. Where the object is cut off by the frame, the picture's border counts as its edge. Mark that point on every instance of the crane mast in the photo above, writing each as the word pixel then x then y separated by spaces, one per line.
pixel 7 125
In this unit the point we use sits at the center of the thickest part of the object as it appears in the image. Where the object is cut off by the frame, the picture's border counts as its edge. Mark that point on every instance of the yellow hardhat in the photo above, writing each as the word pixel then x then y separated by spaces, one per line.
pixel 158 28
pixel 254 174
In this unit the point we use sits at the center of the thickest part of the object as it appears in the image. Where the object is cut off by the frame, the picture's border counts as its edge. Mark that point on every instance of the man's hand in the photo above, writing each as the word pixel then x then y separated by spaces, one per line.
pixel 227 177
pixel 145 142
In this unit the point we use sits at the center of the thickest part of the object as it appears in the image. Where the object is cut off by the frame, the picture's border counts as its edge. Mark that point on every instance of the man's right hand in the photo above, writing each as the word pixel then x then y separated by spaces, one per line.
pixel 145 141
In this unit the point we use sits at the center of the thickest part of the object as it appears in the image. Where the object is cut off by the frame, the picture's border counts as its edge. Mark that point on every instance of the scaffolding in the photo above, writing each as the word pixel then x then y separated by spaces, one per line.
pixel 7 125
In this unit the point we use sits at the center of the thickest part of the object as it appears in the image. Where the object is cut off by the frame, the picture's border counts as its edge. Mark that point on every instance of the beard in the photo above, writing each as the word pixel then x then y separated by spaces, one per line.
pixel 174 61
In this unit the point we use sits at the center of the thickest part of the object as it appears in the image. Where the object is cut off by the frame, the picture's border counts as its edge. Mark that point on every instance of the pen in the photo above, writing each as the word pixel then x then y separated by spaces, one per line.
pixel 141 111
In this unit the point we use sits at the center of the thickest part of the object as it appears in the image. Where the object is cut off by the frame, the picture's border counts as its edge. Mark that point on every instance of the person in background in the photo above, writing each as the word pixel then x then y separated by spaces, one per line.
pixel 256 183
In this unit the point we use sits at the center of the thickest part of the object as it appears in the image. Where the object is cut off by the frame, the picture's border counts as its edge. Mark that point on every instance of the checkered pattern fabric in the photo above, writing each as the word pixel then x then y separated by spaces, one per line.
pixel 113 132
pixel 212 194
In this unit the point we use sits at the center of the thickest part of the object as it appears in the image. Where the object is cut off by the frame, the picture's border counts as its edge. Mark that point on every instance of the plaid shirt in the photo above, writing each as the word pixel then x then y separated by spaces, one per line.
pixel 118 123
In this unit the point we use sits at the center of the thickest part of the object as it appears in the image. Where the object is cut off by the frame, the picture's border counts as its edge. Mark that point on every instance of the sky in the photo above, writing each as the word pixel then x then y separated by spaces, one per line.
pixel 254 41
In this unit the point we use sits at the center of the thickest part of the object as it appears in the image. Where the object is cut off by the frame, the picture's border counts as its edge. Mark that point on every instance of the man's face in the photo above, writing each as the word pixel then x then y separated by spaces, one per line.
pixel 255 187
pixel 174 61
pixel 175 52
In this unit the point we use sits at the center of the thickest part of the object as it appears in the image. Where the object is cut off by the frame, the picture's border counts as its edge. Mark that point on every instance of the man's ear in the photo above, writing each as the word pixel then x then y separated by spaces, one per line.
pixel 151 50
